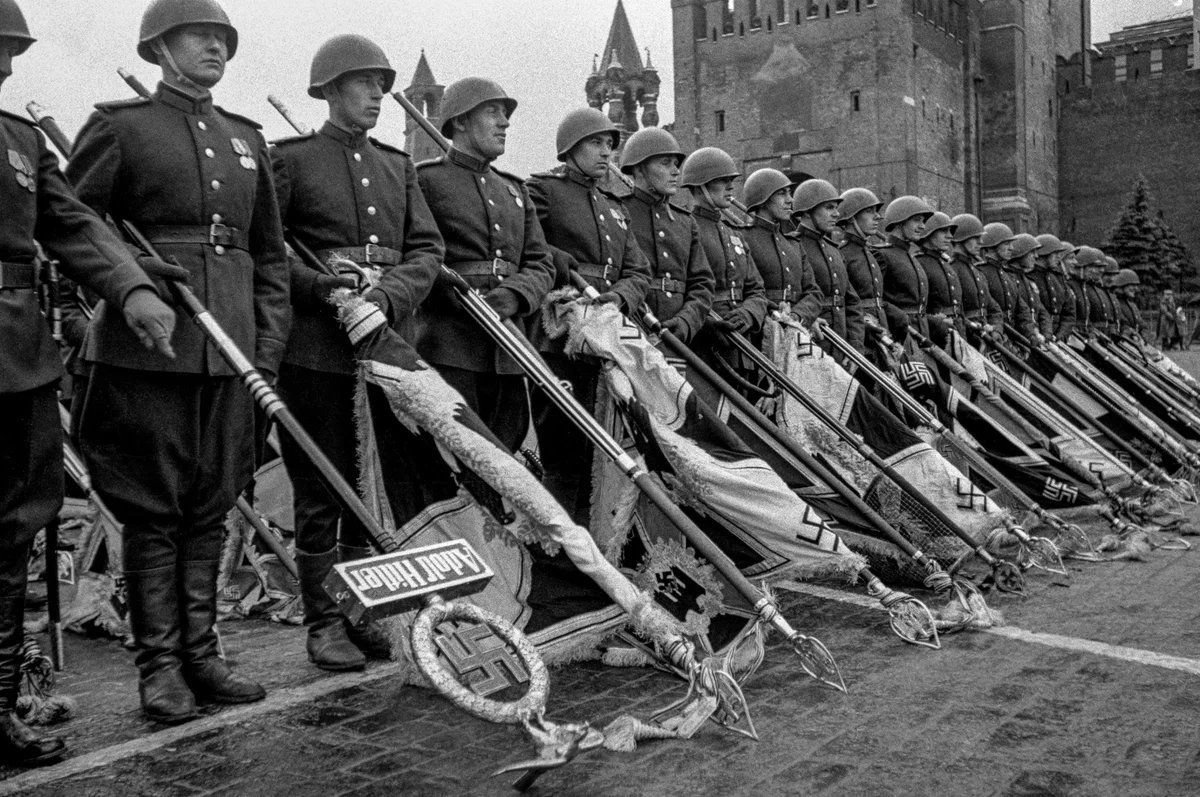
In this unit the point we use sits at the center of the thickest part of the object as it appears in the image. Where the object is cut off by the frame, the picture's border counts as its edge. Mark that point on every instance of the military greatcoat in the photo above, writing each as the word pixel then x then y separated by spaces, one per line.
pixel 786 274
pixel 840 307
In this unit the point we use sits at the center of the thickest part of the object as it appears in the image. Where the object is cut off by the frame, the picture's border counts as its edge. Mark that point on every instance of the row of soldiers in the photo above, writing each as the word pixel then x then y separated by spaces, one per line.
pixel 168 432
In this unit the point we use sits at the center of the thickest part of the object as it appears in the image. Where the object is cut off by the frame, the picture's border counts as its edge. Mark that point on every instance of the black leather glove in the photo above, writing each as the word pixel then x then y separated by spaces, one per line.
pixel 504 302
pixel 740 320
pixel 718 325
pixel 325 284
pixel 678 327
pixel 609 297
pixel 151 320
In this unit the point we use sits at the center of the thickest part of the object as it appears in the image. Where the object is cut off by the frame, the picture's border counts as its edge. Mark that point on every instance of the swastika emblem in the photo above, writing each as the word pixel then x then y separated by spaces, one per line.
pixel 677 592
pixel 1054 490
pixel 479 658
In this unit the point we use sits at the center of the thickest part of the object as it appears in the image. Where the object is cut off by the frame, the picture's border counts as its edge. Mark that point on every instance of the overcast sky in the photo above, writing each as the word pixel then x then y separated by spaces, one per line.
pixel 539 50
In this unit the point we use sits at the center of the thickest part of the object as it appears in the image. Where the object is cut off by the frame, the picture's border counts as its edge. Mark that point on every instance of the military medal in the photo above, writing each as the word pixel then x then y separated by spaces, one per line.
pixel 246 158
pixel 516 195
pixel 737 245
pixel 618 218
pixel 23 168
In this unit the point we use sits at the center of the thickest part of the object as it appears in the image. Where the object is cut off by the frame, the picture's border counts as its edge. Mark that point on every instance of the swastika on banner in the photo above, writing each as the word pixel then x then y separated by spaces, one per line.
pixel 971 497
pixel 479 658
pixel 1056 490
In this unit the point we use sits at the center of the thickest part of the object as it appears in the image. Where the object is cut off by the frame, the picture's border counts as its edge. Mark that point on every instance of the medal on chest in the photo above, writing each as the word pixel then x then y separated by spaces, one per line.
pixel 619 218
pixel 244 153
pixel 23 170
pixel 516 195
pixel 737 244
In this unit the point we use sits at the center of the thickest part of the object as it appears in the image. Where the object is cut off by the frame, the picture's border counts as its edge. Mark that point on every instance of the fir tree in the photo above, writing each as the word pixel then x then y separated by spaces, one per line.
pixel 1136 240
pixel 1175 254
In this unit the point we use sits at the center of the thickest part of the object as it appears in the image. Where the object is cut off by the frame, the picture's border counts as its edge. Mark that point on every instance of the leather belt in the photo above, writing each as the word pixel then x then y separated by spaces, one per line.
pixel 975 315
pixel 17 276
pixel 484 268
pixel 210 234
pixel 783 294
pixel 668 286
pixel 836 303
pixel 733 294
pixel 597 271
pixel 371 253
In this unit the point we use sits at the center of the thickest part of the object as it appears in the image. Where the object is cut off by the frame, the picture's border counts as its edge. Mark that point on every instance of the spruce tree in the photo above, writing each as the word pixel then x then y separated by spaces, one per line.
pixel 1176 254
pixel 1136 239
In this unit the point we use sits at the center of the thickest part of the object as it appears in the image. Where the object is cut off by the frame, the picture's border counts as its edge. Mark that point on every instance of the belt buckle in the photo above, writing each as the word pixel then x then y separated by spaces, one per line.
pixel 787 292
pixel 499 271
pixel 662 285
pixel 218 229
pixel 604 274
pixel 369 250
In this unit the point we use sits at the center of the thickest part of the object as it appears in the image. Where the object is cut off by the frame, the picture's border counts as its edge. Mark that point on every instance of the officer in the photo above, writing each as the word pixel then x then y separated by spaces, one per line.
pixel 905 286
pixel 494 242
pixel 39 203
pixel 945 290
pixel 1100 310
pixel 787 276
pixel 996 247
pixel 345 195
pixel 588 234
pixel 1052 285
pixel 815 210
pixel 1022 264
pixel 739 297
pixel 1077 285
pixel 1108 272
pixel 980 310
pixel 681 284
pixel 197 182
pixel 859 218
pixel 1125 284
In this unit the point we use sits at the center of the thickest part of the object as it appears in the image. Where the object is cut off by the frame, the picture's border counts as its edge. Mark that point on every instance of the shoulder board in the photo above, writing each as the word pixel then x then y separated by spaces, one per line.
pixel 293 139
pixel 509 175
pixel 614 194
pixel 388 147
pixel 432 162
pixel 128 102
pixel 680 208
pixel 557 173
pixel 238 117
pixel 14 117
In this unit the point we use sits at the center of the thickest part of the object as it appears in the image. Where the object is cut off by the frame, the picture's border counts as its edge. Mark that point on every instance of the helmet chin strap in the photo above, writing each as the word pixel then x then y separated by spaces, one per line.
pixel 164 55
pixel 708 197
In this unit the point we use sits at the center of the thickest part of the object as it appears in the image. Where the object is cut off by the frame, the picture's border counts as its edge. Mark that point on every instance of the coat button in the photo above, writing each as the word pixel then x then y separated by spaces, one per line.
pixel 358 157
pixel 373 239
pixel 365 182
pixel 499 253
pixel 371 210
pixel 220 250
pixel 496 227
pixel 201 125
pixel 216 217
pixel 208 152
pixel 215 184
pixel 662 234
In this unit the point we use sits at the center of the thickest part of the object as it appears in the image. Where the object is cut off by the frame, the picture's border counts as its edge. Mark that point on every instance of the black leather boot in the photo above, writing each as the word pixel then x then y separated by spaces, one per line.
pixel 370 638
pixel 20 745
pixel 328 646
pixel 154 621
pixel 210 678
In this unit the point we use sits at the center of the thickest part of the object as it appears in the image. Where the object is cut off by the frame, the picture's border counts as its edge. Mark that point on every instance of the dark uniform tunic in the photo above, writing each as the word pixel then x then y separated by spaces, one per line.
pixel 786 274
pixel 38 203
pixel 1057 300
pixel 197 181
pixel 865 275
pixel 905 286
pixel 1003 287
pixel 1100 307
pixel 346 194
pixel 840 307
pixel 588 233
pixel 1083 306
pixel 945 290
pixel 1130 315
pixel 1032 296
pixel 492 238
pixel 681 281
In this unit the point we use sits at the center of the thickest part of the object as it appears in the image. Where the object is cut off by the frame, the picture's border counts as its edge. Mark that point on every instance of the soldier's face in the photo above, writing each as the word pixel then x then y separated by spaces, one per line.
pixel 661 175
pixel 779 206
pixel 940 240
pixel 868 221
pixel 356 99
pixel 591 156
pixel 824 217
pixel 1027 261
pixel 200 52
pixel 8 51
pixel 1004 250
pixel 721 192
pixel 1069 261
pixel 482 131
pixel 972 246
pixel 913 229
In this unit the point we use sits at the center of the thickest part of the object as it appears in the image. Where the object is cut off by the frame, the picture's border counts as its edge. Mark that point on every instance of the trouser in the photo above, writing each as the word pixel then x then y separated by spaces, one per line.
pixel 31 491
pixel 566 451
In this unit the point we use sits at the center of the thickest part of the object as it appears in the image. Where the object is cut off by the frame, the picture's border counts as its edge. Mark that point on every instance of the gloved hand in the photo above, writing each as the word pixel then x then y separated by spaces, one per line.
pixel 447 284
pixel 325 284
pixel 151 320
pixel 609 298
pixel 677 327
pixel 1038 340
pixel 162 270
pixel 504 302
pixel 718 325
pixel 740 320
pixel 268 375
pixel 817 330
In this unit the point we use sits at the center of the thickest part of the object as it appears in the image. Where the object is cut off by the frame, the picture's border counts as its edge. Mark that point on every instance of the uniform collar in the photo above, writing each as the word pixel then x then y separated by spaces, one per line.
pixel 344 137
pixel 649 198
pixel 578 178
pixel 460 158
pixel 853 237
pixel 905 245
pixel 766 224
pixel 807 232
pixel 184 101
pixel 705 212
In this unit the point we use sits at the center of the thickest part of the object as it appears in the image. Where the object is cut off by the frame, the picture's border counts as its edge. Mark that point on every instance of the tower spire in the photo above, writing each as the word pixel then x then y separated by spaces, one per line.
pixel 621 80
pixel 426 93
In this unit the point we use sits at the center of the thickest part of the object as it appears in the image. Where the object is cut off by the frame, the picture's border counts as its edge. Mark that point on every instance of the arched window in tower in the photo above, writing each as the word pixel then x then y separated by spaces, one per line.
pixel 727 18
pixel 755 18
pixel 842 6
pixel 781 12
pixel 699 21
pixel 814 10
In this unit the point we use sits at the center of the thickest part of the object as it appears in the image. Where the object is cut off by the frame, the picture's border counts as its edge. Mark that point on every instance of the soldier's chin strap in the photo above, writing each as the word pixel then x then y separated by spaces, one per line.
pixel 164 54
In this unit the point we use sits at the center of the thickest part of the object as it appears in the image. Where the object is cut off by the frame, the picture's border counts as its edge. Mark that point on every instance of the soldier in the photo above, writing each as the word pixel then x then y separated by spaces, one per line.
pixel 588 234
pixel 1125 285
pixel 905 286
pixel 945 290
pixel 1024 258
pixel 197 181
pixel 494 242
pixel 996 247
pixel 1052 285
pixel 859 218
pixel 787 276
pixel 980 310
pixel 815 209
pixel 681 283
pixel 346 195
pixel 1100 309
pixel 739 297
pixel 39 203
pixel 1077 285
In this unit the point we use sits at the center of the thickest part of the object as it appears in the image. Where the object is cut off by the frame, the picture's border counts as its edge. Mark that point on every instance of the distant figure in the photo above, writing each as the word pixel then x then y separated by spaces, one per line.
pixel 1169 327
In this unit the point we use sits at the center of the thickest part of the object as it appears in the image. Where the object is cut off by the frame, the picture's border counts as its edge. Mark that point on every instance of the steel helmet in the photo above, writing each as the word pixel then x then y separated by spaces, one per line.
pixel 649 142
pixel 1067 246
pixel 1090 256
pixel 762 185
pixel 581 124
pixel 903 208
pixel 705 165
pixel 1110 265
pixel 966 227
pixel 13 25
pixel 811 193
pixel 344 54
pixel 856 200
pixel 938 221
pixel 164 16
pixel 1023 244
pixel 1126 276
pixel 995 234
pixel 464 96
pixel 1049 244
